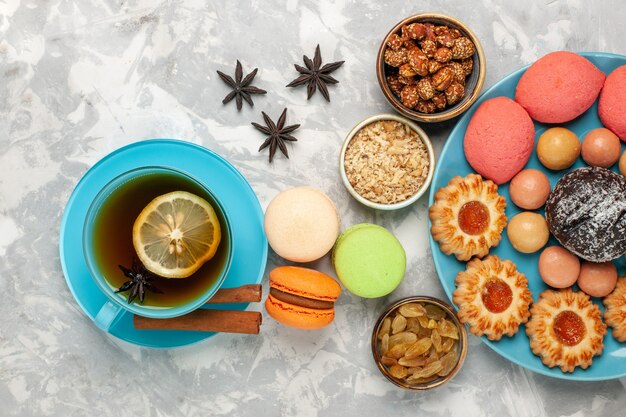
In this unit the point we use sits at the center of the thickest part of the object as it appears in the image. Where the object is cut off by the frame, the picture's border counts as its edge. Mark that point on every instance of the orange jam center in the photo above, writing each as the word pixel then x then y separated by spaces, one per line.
pixel 497 295
pixel 473 218
pixel 568 328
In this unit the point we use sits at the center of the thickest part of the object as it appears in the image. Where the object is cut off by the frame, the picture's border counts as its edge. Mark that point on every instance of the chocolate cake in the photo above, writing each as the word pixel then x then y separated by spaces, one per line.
pixel 586 213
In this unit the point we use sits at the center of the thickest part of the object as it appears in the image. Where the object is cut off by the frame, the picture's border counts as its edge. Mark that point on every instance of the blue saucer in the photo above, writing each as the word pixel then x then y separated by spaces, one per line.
pixel 249 242
pixel 611 364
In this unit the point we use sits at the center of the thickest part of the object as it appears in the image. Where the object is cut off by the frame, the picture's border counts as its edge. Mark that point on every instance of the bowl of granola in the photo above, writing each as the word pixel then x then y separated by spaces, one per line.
pixel 431 67
pixel 387 162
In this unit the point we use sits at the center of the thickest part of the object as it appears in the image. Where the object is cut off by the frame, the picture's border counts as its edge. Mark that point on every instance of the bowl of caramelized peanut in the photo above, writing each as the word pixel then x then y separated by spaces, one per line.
pixel 431 67
pixel 418 343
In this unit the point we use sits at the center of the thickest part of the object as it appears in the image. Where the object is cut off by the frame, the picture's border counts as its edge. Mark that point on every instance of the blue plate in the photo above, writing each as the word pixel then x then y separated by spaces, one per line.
pixel 249 242
pixel 612 363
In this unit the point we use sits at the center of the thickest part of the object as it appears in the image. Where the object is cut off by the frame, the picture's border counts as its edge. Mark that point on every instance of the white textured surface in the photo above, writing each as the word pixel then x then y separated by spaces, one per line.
pixel 81 78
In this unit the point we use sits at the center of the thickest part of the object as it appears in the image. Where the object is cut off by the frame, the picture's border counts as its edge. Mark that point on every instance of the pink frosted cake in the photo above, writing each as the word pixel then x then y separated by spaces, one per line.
pixel 612 105
pixel 499 139
pixel 559 87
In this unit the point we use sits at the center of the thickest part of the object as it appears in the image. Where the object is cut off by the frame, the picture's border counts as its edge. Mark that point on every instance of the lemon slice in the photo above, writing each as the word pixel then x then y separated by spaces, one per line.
pixel 175 234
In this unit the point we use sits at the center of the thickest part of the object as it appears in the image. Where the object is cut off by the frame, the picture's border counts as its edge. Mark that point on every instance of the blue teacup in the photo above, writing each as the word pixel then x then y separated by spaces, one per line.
pixel 117 304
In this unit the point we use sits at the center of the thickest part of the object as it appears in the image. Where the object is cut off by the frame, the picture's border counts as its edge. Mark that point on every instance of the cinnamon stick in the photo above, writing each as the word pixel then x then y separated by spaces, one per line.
pixel 250 293
pixel 224 321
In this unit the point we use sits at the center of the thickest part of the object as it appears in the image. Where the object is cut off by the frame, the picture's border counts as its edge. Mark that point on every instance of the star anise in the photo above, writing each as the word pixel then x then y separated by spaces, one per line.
pixel 139 281
pixel 241 88
pixel 278 134
pixel 315 76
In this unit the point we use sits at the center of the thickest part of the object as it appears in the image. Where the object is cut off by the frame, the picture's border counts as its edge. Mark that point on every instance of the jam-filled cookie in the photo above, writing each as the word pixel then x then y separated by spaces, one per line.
pixel 565 329
pixel 615 313
pixel 493 297
pixel 467 217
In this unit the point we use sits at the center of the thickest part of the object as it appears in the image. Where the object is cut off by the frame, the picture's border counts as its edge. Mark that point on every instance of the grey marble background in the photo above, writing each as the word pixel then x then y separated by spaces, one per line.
pixel 81 78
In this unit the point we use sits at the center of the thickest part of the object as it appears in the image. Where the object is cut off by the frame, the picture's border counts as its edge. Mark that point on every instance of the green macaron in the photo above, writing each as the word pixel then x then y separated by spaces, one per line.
pixel 369 260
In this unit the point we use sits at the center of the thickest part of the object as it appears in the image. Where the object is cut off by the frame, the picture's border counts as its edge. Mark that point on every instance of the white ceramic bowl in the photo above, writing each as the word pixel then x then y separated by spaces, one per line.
pixel 423 136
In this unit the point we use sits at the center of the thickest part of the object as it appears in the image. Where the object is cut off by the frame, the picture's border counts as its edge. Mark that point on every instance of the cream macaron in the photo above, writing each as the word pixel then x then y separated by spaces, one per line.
pixel 301 224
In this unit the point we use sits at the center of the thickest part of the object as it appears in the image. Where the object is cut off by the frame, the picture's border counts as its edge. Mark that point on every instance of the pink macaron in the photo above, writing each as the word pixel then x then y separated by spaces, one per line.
pixel 499 139
pixel 612 104
pixel 559 87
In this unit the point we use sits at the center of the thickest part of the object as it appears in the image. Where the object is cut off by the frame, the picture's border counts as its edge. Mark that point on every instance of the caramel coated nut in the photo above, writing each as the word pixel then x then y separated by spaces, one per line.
pixel 395 42
pixel 428 47
pixel 445 40
pixel 394 84
pixel 443 54
pixel 416 31
pixel 442 78
pixel 409 96
pixel 430 32
pixel 418 61
pixel 395 58
pixel 425 89
pixel 441 30
pixel 425 106
pixel 407 71
pixel 463 48
pixel 468 66
pixel 434 66
pixel 407 80
pixel 455 33
pixel 440 102
pixel 455 93
pixel 459 72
